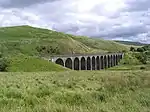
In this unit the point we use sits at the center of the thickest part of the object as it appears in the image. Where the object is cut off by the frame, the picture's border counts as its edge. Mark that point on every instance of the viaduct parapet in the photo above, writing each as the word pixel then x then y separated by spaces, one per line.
pixel 88 61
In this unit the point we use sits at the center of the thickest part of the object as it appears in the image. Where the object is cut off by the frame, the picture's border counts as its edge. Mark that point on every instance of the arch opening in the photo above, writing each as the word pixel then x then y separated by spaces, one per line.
pixel 83 64
pixel 109 61
pixel 105 62
pixel 68 63
pixel 88 63
pixel 114 60
pixel 97 63
pixel 59 62
pixel 93 63
pixel 76 64
pixel 111 58
pixel 102 62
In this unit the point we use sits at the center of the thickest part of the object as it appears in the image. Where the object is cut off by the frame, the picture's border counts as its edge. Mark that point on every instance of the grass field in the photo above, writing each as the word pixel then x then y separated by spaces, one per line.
pixel 70 91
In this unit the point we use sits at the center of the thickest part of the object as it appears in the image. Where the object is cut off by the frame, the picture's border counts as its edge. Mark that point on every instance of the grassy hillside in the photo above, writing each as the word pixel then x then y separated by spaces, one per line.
pixel 23 63
pixel 105 91
pixel 131 43
pixel 26 38
pixel 37 42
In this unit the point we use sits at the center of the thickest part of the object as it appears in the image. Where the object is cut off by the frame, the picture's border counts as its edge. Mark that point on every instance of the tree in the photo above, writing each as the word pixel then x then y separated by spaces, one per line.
pixel 142 57
pixel 132 49
pixel 140 49
pixel 3 64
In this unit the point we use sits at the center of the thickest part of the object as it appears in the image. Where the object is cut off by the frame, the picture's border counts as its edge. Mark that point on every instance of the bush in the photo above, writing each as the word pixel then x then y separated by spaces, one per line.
pixel 142 57
pixel 48 49
pixel 140 49
pixel 130 59
pixel 142 68
pixel 132 49
pixel 1 55
pixel 3 64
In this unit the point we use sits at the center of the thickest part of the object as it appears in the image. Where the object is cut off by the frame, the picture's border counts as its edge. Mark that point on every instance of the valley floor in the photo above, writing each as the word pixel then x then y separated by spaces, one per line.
pixel 71 91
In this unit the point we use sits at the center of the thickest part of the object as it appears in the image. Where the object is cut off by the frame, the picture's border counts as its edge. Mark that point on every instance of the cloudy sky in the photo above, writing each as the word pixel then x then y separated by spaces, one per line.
pixel 108 19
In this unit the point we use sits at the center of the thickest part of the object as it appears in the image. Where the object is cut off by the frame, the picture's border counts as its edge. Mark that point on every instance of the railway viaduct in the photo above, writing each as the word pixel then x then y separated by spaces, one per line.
pixel 88 61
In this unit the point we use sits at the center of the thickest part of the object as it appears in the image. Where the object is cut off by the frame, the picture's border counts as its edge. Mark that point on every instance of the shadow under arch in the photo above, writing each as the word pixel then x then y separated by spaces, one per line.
pixel 68 63
pixel 59 61
pixel 102 62
pixel 114 60
pixel 109 61
pixel 83 63
pixel 88 63
pixel 76 64
pixel 105 62
pixel 111 58
pixel 97 63
pixel 93 63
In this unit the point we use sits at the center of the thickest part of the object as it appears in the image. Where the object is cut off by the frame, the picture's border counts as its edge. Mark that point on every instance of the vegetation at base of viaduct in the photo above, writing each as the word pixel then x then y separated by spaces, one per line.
pixel 142 53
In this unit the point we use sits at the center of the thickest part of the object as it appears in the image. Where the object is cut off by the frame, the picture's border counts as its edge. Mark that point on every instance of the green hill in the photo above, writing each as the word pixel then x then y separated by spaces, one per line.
pixel 131 43
pixel 31 41
pixel 32 64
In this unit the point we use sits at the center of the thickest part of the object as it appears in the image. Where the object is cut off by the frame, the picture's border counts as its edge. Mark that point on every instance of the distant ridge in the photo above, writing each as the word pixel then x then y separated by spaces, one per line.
pixel 131 43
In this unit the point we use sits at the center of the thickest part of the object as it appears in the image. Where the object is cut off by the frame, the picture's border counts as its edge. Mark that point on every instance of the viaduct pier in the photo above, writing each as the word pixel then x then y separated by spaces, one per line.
pixel 88 61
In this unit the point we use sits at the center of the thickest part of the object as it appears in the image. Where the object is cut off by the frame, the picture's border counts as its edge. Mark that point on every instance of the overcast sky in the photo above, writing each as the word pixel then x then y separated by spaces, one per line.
pixel 108 19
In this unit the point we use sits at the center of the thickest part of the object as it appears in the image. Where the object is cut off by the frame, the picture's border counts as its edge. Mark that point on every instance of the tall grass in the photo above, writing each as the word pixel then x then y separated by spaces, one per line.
pixel 105 91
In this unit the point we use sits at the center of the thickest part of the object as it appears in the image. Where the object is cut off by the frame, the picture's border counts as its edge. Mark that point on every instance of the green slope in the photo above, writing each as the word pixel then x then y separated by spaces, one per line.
pixel 66 42
pixel 23 63
pixel 31 41
pixel 131 43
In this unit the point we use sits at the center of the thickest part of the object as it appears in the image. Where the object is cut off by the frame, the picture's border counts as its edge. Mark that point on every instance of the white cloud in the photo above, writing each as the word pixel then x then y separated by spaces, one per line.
pixel 111 19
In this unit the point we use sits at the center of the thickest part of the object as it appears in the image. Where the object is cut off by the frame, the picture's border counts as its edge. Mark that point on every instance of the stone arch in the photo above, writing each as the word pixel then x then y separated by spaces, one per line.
pixel 68 63
pixel 83 63
pixel 111 58
pixel 120 56
pixel 114 60
pixel 97 63
pixel 93 63
pixel 109 61
pixel 59 61
pixel 76 64
pixel 105 61
pixel 102 62
pixel 88 63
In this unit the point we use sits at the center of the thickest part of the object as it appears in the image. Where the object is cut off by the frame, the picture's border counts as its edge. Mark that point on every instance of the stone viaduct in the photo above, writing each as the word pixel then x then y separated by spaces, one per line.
pixel 88 61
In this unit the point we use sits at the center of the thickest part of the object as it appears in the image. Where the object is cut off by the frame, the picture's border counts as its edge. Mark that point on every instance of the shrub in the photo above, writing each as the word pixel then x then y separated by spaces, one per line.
pixel 132 49
pixel 1 55
pixel 140 49
pixel 142 57
pixel 3 64
pixel 142 68
pixel 48 49
pixel 130 59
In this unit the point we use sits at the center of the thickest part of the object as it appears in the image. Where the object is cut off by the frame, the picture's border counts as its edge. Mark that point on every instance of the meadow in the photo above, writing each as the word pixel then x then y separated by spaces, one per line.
pixel 72 91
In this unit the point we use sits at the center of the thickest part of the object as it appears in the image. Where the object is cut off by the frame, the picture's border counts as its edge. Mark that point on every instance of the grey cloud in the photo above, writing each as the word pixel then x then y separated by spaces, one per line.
pixel 21 3
pixel 138 5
